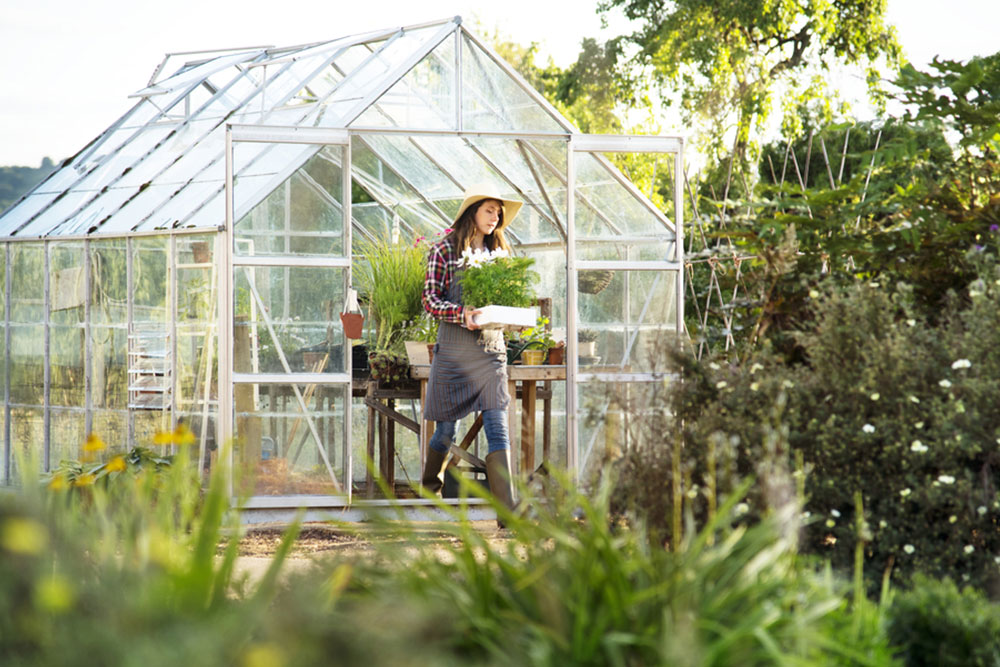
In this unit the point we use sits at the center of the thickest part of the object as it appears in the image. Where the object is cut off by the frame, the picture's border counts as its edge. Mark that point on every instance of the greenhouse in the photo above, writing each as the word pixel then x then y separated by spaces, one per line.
pixel 189 265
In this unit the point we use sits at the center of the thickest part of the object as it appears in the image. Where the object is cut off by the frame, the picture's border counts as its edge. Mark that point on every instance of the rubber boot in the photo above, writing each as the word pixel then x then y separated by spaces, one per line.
pixel 498 475
pixel 431 479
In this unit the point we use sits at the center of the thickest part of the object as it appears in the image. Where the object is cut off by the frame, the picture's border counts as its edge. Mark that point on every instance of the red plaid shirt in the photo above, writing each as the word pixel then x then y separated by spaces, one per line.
pixel 442 261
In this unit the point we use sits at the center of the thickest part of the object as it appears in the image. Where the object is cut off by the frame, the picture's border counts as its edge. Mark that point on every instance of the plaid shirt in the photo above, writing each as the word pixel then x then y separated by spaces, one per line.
pixel 442 261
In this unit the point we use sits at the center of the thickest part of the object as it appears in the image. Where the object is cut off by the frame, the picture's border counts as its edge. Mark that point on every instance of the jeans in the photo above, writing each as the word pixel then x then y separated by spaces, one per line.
pixel 494 424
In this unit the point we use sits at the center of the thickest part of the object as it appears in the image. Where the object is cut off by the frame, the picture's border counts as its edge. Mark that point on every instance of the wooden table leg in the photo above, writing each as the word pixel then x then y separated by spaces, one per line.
pixel 527 427
pixel 511 426
pixel 369 478
pixel 389 462
pixel 426 427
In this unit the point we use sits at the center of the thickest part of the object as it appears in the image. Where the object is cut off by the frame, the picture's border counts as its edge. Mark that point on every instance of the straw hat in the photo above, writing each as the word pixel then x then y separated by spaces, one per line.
pixel 481 191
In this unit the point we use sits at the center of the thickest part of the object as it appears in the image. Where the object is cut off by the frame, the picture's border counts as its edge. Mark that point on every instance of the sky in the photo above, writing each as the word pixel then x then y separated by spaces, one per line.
pixel 67 67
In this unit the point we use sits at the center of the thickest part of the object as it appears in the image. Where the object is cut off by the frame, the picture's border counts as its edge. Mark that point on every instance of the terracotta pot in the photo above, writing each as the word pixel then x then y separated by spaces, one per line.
pixel 430 352
pixel 200 251
pixel 532 357
pixel 352 324
pixel 557 355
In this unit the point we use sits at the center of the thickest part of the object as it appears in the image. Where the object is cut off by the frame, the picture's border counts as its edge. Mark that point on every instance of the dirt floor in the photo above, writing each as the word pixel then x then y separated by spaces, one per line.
pixel 318 541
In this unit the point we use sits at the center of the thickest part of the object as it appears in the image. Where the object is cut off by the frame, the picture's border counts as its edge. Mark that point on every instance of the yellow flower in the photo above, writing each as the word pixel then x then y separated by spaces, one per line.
pixel 116 464
pixel 58 482
pixel 86 479
pixel 94 443
pixel 23 536
pixel 181 435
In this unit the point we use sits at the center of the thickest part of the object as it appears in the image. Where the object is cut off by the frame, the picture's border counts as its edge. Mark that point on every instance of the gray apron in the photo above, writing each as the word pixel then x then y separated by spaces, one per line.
pixel 464 377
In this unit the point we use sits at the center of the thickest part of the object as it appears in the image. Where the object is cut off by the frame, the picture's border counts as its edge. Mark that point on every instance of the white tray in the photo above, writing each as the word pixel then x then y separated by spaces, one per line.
pixel 506 317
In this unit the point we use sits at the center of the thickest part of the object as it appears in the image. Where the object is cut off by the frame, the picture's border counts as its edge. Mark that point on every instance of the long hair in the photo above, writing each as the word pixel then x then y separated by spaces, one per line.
pixel 464 229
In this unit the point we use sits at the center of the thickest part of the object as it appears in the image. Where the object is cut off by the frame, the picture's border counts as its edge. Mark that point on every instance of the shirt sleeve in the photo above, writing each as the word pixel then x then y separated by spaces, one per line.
pixel 439 275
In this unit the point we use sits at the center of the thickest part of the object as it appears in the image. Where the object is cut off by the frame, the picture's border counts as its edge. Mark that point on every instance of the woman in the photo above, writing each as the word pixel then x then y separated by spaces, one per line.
pixel 468 373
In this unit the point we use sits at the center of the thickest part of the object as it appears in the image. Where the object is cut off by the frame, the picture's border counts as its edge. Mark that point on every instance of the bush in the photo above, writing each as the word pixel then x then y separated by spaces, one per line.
pixel 937 625
pixel 886 404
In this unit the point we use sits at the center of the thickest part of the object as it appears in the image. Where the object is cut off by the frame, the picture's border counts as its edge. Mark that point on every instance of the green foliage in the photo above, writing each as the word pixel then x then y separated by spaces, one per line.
pixel 128 569
pixel 391 279
pixel 937 625
pixel 886 404
pixel 734 62
pixel 504 281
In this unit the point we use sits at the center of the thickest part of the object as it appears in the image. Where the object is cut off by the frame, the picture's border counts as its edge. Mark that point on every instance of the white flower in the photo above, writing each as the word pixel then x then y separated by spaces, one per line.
pixel 952 519
pixel 868 428
pixel 755 367
pixel 754 386
pixel 911 323
pixel 969 548
pixel 835 513
pixel 875 396
pixel 909 548
pixel 914 399
pixel 962 363
pixel 787 384
pixel 714 366
pixel 919 425
pixel 721 384
pixel 981 510
pixel 945 383
pixel 959 408
pixel 905 492
pixel 813 294
pixel 917 446
pixel 741 509
pixel 883 524
pixel 946 479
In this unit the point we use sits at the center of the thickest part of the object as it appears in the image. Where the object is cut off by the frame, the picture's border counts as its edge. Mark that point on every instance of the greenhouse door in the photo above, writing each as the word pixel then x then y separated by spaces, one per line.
pixel 625 287
pixel 287 366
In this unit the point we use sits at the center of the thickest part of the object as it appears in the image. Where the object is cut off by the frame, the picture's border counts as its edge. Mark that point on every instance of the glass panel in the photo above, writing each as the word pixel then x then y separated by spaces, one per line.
pixel 67 433
pixel 27 442
pixel 147 424
pixel 108 285
pixel 112 426
pixel 608 207
pixel 302 305
pixel 197 354
pixel 276 442
pixel 53 217
pixel 150 276
pixel 109 369
pixel 183 208
pixel 408 157
pixel 373 68
pixel 631 316
pixel 67 293
pixel 22 212
pixel 93 214
pixel 492 100
pixel 66 353
pixel 424 98
pixel 303 216
pixel 611 415
pixel 27 289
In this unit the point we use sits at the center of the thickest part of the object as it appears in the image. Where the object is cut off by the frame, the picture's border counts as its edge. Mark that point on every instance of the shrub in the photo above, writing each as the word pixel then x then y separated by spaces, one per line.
pixel 937 625
pixel 888 405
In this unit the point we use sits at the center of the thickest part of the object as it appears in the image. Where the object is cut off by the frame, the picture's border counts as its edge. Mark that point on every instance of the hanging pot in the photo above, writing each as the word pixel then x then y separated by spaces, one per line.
pixel 352 319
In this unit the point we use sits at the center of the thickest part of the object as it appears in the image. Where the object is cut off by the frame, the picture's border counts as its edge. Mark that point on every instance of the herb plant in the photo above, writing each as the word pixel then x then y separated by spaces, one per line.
pixel 496 278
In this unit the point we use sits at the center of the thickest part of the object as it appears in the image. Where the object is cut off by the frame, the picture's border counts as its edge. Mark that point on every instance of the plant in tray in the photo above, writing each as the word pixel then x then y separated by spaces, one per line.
pixel 391 278
pixel 497 278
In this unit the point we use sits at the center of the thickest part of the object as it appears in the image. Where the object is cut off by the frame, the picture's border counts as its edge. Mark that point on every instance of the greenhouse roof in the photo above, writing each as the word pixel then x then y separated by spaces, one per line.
pixel 438 108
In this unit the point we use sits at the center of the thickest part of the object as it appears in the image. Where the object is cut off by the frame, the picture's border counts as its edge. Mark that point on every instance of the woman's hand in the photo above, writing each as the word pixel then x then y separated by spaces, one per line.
pixel 468 315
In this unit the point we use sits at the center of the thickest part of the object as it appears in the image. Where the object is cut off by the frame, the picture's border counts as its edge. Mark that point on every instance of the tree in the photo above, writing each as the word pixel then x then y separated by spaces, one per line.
pixel 731 62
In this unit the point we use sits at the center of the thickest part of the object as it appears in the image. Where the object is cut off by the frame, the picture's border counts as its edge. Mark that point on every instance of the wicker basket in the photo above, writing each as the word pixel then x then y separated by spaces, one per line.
pixel 594 282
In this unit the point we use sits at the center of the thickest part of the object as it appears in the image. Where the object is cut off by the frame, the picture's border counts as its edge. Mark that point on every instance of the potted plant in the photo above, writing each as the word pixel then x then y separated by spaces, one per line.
pixel 501 286
pixel 533 343
pixel 391 278
pixel 587 342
